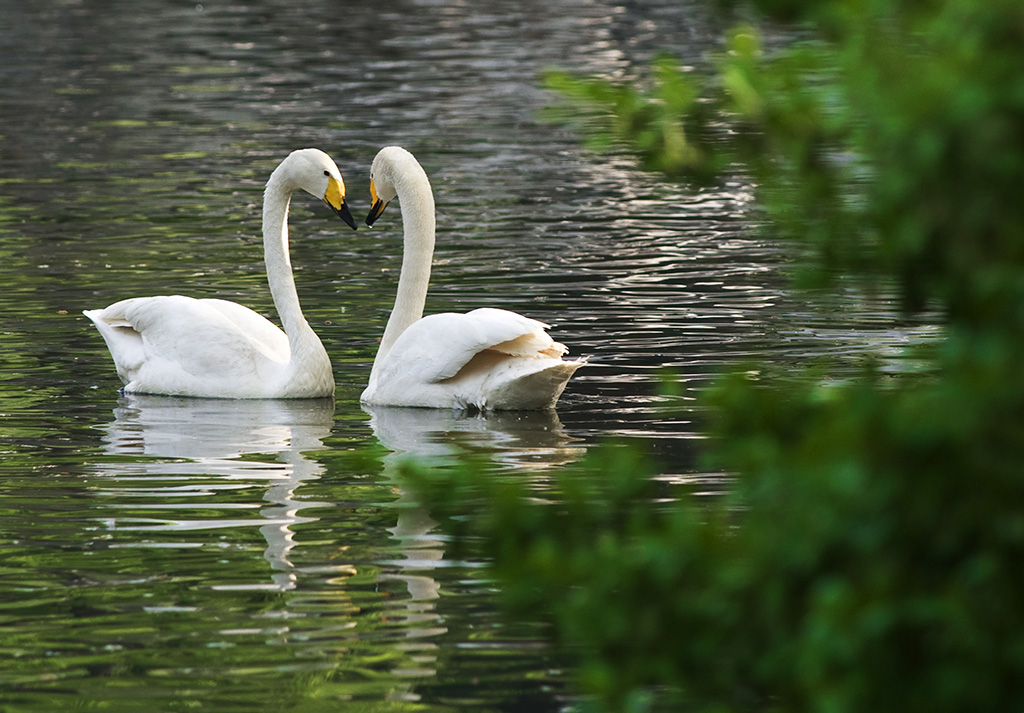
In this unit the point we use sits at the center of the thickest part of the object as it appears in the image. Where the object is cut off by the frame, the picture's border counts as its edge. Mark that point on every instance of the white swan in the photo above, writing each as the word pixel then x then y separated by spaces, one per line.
pixel 487 359
pixel 182 346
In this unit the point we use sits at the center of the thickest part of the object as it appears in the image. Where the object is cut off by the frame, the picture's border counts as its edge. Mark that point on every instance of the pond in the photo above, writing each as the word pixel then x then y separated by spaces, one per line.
pixel 175 554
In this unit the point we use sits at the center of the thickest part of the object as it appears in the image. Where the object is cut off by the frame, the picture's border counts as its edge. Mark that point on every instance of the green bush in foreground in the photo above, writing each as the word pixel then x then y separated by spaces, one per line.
pixel 867 557
pixel 867 560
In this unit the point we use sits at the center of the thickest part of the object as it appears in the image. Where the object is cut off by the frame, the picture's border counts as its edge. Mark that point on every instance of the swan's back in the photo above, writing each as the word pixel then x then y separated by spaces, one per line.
pixel 173 344
pixel 487 359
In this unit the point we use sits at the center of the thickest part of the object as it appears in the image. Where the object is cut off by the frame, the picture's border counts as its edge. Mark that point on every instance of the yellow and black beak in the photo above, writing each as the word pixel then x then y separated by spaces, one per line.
pixel 376 207
pixel 335 200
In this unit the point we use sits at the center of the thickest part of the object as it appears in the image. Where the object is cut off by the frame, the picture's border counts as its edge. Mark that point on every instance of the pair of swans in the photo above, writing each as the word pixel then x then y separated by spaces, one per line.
pixel 487 359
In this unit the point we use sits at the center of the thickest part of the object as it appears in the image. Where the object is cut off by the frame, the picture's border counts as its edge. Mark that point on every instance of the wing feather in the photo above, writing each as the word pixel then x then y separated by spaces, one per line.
pixel 438 346
pixel 206 338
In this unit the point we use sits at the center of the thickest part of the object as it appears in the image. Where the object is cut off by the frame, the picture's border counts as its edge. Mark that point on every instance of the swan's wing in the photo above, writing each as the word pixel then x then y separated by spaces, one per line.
pixel 263 334
pixel 438 346
pixel 201 337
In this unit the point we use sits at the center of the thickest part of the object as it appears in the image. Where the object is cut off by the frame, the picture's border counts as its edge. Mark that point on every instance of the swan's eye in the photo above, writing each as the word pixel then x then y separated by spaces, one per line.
pixel 327 173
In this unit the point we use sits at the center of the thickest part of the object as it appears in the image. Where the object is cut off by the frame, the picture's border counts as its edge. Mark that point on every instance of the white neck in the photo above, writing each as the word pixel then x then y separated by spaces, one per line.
pixel 301 338
pixel 417 203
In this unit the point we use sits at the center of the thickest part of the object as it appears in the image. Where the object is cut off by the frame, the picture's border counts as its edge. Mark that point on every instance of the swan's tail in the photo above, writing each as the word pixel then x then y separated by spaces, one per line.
pixel 535 389
pixel 123 342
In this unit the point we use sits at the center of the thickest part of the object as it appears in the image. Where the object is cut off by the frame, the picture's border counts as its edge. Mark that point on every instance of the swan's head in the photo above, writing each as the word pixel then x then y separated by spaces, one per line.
pixel 314 172
pixel 392 167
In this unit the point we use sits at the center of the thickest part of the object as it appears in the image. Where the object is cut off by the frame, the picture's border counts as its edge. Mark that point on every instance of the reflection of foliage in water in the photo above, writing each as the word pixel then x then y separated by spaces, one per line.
pixel 867 557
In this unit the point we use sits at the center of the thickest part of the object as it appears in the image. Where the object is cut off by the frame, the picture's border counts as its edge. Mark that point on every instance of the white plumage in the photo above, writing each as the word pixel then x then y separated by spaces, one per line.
pixel 487 359
pixel 182 346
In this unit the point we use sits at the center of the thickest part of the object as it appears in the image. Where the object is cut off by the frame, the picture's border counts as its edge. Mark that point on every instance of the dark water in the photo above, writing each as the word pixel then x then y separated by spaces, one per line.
pixel 171 555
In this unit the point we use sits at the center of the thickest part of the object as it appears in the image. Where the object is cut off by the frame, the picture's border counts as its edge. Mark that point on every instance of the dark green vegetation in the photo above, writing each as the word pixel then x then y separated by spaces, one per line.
pixel 867 558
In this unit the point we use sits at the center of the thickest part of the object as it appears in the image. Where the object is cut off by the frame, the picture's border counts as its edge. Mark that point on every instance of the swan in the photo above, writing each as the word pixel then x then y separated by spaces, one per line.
pixel 181 346
pixel 487 360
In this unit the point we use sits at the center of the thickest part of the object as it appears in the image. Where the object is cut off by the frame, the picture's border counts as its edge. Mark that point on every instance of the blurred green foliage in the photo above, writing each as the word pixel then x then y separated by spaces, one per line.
pixel 867 557
pixel 658 129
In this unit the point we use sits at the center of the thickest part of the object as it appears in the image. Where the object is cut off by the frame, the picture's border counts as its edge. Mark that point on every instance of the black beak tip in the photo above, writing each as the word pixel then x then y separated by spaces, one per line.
pixel 345 214
pixel 375 212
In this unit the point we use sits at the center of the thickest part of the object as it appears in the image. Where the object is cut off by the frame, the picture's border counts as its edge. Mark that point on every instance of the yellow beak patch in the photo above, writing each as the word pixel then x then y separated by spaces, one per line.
pixel 335 195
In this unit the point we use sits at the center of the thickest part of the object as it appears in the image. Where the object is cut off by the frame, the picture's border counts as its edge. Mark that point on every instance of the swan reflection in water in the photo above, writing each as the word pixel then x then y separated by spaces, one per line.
pixel 167 450
pixel 525 441
pixel 198 447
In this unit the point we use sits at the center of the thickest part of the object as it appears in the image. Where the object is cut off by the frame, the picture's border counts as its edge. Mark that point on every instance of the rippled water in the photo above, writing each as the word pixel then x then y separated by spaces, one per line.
pixel 169 554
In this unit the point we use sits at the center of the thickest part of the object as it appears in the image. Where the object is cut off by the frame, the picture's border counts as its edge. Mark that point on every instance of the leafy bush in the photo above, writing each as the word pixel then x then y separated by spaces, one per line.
pixel 867 557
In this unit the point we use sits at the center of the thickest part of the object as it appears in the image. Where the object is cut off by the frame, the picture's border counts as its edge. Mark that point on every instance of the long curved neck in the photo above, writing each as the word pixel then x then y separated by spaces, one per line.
pixel 417 203
pixel 279 265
